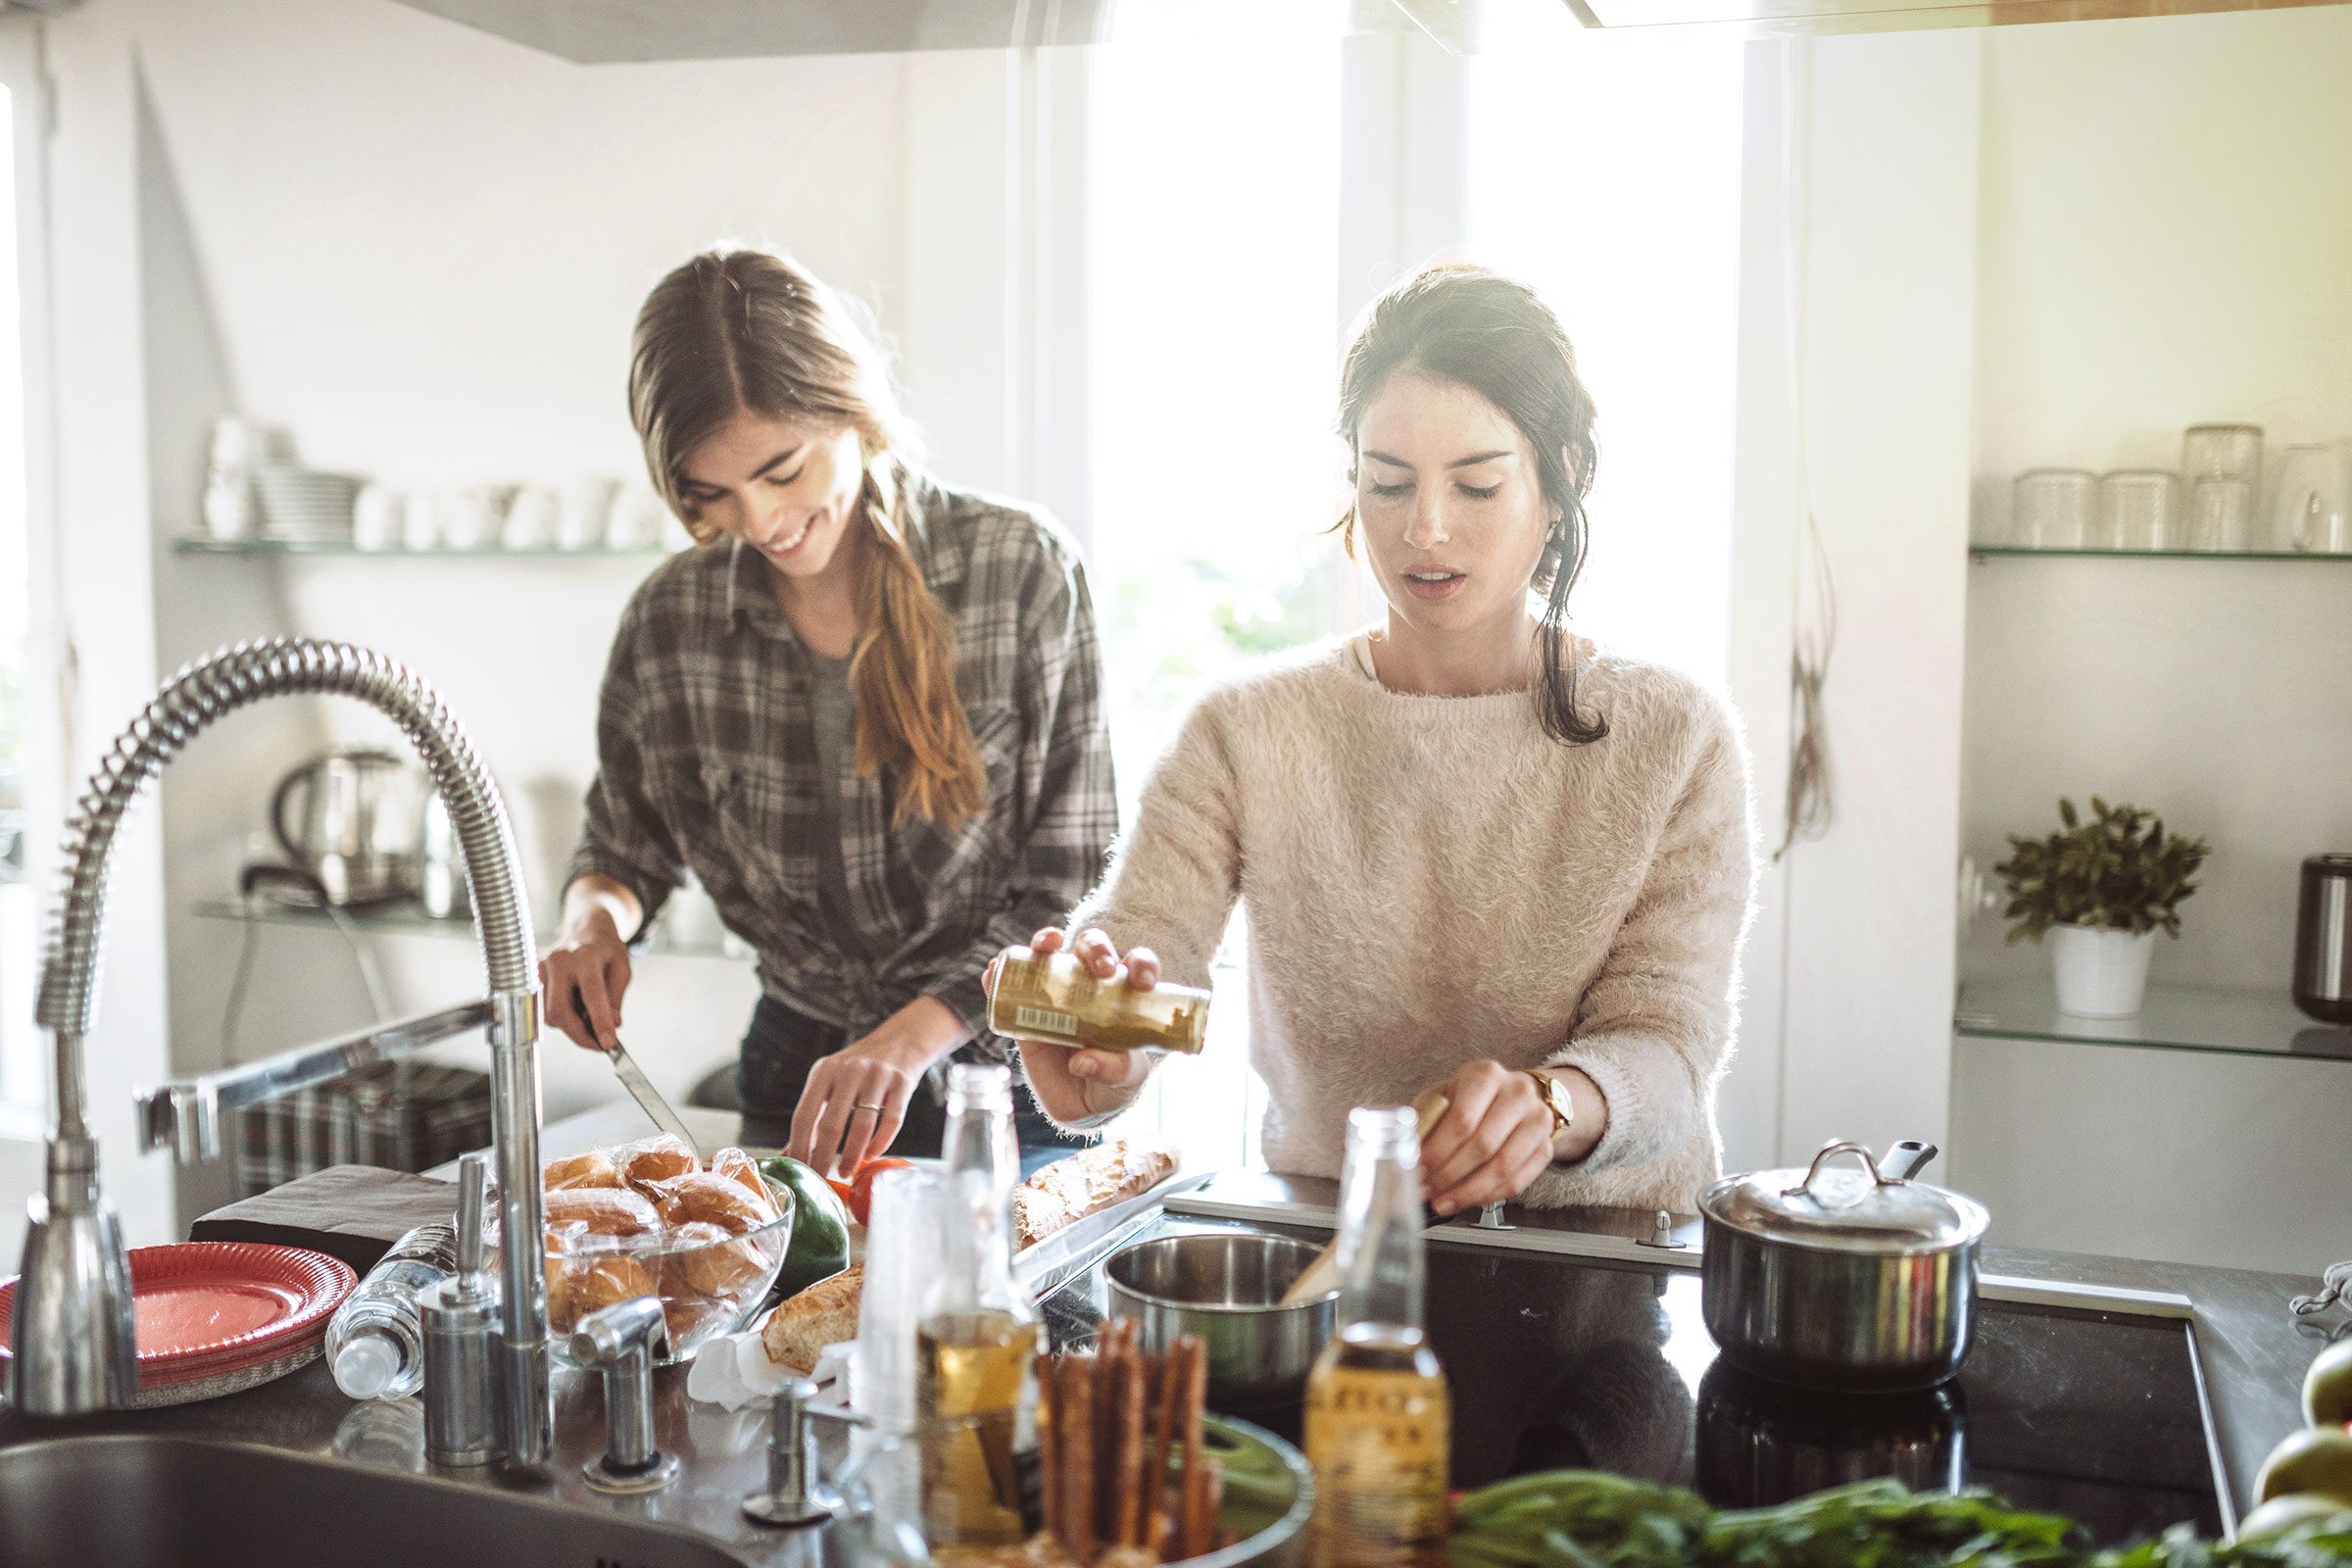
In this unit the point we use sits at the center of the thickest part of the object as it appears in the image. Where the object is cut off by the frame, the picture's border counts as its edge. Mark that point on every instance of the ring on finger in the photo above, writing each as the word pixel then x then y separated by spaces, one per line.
pixel 876 1110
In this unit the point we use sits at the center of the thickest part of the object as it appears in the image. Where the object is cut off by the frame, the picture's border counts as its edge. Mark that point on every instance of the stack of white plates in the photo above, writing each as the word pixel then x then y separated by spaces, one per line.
pixel 304 505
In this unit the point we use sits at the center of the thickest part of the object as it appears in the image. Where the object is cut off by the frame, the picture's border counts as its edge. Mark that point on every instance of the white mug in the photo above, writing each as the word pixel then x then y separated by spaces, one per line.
pixel 377 518
pixel 473 520
pixel 420 520
pixel 634 519
pixel 586 512
pixel 530 520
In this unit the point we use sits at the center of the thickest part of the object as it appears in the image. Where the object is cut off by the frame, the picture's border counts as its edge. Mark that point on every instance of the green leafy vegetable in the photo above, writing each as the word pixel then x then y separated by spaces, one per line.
pixel 1584 1519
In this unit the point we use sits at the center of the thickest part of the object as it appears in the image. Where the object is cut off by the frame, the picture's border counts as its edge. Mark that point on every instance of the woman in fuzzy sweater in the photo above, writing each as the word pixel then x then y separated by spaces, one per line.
pixel 1481 856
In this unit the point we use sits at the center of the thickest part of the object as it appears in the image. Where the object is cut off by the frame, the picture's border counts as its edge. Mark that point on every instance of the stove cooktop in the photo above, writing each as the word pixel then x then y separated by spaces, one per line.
pixel 1565 1362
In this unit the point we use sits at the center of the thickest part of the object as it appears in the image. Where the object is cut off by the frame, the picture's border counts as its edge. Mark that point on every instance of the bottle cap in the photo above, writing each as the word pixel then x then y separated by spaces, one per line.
pixel 366 1365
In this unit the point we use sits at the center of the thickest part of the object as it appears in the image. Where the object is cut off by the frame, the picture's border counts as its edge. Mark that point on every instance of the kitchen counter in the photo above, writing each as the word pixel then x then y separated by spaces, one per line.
pixel 2252 1352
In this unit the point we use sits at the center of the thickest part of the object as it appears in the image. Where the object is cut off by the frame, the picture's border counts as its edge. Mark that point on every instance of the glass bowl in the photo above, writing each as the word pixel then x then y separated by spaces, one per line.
pixel 1268 1497
pixel 709 1281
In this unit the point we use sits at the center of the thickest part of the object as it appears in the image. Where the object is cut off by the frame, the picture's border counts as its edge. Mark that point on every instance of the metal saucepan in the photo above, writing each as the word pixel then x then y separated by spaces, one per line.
pixel 1225 1286
pixel 1762 1443
pixel 1841 1279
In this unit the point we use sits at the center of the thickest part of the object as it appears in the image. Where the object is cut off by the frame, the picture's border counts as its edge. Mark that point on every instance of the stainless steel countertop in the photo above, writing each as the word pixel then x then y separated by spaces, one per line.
pixel 2254 1357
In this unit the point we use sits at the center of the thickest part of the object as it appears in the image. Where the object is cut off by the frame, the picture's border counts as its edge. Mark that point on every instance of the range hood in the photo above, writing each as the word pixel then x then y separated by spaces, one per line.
pixel 1865 15
pixel 612 31
pixel 604 32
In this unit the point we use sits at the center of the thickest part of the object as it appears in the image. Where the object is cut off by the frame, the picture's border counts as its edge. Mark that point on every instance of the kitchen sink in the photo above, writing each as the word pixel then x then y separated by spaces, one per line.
pixel 142 1501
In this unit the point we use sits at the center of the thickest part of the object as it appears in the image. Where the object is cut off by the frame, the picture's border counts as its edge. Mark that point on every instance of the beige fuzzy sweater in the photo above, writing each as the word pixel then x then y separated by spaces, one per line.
pixel 1431 880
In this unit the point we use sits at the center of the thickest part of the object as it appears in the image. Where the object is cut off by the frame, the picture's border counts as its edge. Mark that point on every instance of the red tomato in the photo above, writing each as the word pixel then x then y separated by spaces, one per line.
pixel 861 1185
pixel 841 1190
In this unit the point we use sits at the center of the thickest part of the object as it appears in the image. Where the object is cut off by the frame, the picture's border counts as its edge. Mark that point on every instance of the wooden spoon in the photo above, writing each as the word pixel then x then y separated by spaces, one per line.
pixel 1323 1274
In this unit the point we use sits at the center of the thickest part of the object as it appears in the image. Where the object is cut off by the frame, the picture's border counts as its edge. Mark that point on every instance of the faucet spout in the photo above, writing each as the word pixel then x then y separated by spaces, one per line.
pixel 71 1335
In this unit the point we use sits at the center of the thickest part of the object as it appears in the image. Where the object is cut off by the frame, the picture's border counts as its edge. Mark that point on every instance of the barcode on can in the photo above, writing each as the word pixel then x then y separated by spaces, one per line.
pixel 1046 1018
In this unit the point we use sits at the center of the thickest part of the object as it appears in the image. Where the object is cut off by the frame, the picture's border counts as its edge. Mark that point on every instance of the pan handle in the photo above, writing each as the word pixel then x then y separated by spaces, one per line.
pixel 1830 1152
pixel 1907 1159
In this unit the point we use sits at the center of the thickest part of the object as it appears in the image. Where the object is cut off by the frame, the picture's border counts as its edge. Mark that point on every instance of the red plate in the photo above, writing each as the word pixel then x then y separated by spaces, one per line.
pixel 200 1305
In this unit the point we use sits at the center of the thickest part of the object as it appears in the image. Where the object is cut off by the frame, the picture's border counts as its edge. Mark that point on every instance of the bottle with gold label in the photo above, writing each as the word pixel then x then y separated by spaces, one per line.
pixel 1053 997
pixel 1378 1413
pixel 978 1337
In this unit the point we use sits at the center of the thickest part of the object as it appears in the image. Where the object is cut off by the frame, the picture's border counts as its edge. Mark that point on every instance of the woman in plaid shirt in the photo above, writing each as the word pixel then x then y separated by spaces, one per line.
pixel 866 714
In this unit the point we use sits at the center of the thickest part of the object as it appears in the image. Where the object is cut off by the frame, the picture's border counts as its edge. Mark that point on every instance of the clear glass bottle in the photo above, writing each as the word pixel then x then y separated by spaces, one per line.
pixel 977 1340
pixel 376 1340
pixel 1378 1412
pixel 1053 997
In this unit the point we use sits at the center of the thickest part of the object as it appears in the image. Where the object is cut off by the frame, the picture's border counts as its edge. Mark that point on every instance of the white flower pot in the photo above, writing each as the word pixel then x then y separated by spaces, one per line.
pixel 2101 975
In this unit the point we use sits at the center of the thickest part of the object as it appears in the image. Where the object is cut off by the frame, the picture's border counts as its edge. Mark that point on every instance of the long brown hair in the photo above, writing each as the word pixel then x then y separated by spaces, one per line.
pixel 741 331
pixel 1493 335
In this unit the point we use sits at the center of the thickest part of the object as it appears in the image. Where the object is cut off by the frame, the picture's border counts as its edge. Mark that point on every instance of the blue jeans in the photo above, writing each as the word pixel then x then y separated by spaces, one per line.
pixel 782 1045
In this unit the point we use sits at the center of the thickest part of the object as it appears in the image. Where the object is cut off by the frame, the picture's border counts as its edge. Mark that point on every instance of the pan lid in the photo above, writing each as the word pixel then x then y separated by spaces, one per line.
pixel 1845 1210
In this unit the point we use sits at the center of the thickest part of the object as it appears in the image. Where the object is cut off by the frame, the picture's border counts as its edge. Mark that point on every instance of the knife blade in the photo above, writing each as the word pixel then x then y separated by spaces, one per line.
pixel 632 1078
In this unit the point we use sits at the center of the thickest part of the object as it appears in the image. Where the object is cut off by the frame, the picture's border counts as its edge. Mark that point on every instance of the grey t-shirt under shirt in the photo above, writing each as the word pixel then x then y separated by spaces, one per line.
pixel 833 716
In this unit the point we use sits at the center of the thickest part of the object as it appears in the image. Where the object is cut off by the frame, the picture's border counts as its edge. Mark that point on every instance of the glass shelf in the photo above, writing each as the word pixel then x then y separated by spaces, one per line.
pixel 2232 1023
pixel 1980 551
pixel 197 545
pixel 408 918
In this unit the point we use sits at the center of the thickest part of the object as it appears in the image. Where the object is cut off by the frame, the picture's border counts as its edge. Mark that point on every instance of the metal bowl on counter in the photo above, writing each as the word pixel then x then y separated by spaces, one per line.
pixel 1226 1287
pixel 1841 1279
pixel 1268 1494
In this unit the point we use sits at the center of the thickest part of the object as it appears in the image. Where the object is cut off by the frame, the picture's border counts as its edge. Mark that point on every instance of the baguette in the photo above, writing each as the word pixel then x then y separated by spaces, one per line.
pixel 825 1313
pixel 1068 1189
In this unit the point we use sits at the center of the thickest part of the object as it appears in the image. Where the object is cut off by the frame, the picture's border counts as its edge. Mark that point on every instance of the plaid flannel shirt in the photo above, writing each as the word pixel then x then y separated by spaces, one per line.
pixel 707 762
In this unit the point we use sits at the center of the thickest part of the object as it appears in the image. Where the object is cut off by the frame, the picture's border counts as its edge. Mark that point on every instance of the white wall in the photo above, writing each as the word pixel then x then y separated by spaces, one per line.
pixel 104 655
pixel 419 249
pixel 1884 167
pixel 2220 1160
pixel 2185 259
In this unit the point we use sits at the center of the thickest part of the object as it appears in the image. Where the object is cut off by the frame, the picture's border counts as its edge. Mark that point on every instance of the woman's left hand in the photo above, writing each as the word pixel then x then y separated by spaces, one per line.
pixel 1493 1139
pixel 856 1100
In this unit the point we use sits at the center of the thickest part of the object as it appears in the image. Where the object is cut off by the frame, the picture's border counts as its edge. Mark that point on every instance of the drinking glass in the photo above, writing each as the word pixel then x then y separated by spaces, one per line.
pixel 2220 514
pixel 2222 451
pixel 2053 510
pixel 2139 509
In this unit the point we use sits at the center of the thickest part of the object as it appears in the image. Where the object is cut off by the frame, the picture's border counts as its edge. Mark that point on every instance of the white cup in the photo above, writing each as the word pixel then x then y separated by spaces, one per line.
pixel 228 506
pixel 473 520
pixel 420 520
pixel 586 512
pixel 530 520
pixel 633 520
pixel 376 519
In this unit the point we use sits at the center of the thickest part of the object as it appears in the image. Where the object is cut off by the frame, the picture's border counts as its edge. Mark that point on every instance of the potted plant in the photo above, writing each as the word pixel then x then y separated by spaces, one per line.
pixel 2103 889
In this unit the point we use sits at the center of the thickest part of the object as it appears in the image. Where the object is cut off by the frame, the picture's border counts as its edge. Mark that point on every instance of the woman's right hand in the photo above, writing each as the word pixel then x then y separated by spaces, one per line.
pixel 1075 1085
pixel 591 963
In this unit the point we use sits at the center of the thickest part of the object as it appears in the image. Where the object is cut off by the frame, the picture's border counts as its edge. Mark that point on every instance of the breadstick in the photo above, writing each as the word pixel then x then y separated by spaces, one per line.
pixel 1049 1442
pixel 1078 1459
pixel 1170 1373
pixel 1133 1379
pixel 1110 1354
pixel 1202 1486
pixel 1195 1395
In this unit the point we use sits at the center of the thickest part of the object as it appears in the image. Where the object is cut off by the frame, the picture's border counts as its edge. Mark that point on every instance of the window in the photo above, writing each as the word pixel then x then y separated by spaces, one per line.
pixel 1215 336
pixel 1218 323
pixel 20 731
pixel 1604 170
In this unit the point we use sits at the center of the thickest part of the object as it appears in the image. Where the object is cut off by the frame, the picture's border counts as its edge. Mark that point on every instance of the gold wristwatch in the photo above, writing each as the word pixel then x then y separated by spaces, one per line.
pixel 1555 1098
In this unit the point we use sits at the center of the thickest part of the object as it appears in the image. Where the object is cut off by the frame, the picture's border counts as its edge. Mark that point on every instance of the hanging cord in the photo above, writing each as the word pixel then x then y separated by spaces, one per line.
pixel 1812 801
pixel 1811 805
pixel 370 980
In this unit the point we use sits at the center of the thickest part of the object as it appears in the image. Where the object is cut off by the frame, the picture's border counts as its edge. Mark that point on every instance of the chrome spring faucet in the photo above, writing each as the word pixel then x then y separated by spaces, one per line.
pixel 72 1337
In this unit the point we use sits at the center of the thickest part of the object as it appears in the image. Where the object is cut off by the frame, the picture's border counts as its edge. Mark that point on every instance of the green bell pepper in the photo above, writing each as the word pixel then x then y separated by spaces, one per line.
pixel 820 1228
